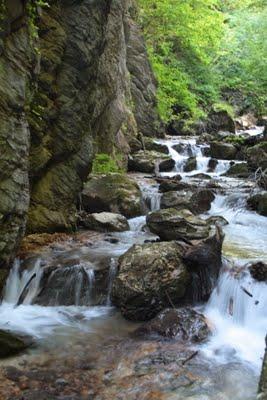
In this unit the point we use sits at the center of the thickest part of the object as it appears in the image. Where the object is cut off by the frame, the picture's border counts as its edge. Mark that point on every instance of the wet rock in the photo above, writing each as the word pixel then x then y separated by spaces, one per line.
pixel 178 200
pixel 246 121
pixel 263 380
pixel 172 224
pixel 259 271
pixel 223 151
pixel 197 202
pixel 182 324
pixel 262 121
pixel 200 201
pixel 204 261
pixel 150 277
pixel 191 164
pixel 239 170
pixel 13 343
pixel 256 156
pixel 104 222
pixel 212 164
pixel 217 220
pixel 201 176
pixel 116 193
pixel 150 161
pixel 220 120
pixel 73 285
pixel 151 145
pixel 258 203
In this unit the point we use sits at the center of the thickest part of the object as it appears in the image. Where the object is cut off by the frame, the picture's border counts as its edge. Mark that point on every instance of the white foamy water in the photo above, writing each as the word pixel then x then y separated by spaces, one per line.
pixel 237 310
pixel 35 320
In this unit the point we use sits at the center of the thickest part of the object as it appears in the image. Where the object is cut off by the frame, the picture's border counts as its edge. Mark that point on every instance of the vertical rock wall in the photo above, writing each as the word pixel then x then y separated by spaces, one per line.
pixel 87 89
pixel 16 60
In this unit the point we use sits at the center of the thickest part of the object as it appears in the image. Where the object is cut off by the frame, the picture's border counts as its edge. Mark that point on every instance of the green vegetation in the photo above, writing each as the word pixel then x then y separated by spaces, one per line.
pixel 32 12
pixel 103 164
pixel 206 53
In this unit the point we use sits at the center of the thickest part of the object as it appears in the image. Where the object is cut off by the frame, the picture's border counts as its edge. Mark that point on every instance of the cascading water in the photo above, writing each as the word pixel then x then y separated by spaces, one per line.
pixel 113 269
pixel 238 310
pixel 151 196
pixel 26 282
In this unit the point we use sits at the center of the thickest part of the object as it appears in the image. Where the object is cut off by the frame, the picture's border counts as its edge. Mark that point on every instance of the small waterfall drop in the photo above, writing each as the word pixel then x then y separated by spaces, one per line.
pixel 113 269
pixel 91 284
pixel 151 196
pixel 25 283
pixel 238 310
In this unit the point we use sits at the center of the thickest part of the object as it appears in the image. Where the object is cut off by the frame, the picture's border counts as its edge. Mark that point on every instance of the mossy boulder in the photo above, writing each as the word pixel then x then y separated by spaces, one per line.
pixel 223 151
pixel 12 343
pixel 172 224
pixel 220 119
pixel 197 202
pixel 257 156
pixel 239 170
pixel 258 203
pixel 116 193
pixel 150 277
pixel 150 161
pixel 191 164
pixel 151 145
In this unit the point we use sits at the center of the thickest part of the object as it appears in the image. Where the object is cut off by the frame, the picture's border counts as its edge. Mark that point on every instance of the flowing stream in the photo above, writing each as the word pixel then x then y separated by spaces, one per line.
pixel 237 309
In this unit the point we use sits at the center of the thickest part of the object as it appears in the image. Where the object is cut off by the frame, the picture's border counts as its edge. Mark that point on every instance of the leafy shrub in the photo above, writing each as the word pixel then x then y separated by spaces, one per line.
pixel 103 164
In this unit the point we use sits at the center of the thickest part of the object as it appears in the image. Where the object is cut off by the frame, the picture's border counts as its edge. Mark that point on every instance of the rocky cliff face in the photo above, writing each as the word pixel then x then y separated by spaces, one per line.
pixel 263 381
pixel 88 89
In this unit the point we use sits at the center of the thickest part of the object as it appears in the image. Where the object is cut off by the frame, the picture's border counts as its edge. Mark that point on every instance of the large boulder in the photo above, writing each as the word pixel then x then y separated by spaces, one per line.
pixel 258 203
pixel 223 151
pixel 151 277
pixel 151 145
pixel 220 120
pixel 104 222
pixel 201 201
pixel 239 170
pixel 212 164
pixel 178 200
pixel 115 193
pixel 257 156
pixel 172 224
pixel 182 324
pixel 197 202
pixel 150 161
pixel 191 164
pixel 204 261
pixel 12 343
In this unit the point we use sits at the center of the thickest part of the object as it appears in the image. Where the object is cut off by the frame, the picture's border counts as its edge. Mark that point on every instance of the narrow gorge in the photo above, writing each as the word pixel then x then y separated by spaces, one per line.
pixel 133 257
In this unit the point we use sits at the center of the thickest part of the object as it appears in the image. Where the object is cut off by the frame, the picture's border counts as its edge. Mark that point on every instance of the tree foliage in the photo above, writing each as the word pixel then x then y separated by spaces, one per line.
pixel 200 48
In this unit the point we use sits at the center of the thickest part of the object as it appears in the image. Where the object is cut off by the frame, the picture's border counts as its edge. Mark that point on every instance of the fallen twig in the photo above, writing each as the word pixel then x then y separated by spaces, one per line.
pixel 190 357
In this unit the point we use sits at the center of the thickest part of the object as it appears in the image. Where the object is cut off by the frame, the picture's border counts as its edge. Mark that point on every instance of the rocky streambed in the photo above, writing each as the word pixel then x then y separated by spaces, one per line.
pixel 165 299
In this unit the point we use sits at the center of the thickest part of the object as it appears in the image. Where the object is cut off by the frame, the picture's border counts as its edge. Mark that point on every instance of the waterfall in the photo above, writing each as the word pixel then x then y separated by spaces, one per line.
pixel 25 283
pixel 238 310
pixel 151 196
pixel 113 269
pixel 91 284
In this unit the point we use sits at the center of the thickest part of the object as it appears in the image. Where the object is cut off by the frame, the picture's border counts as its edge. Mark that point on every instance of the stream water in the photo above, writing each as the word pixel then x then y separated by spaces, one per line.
pixel 228 365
